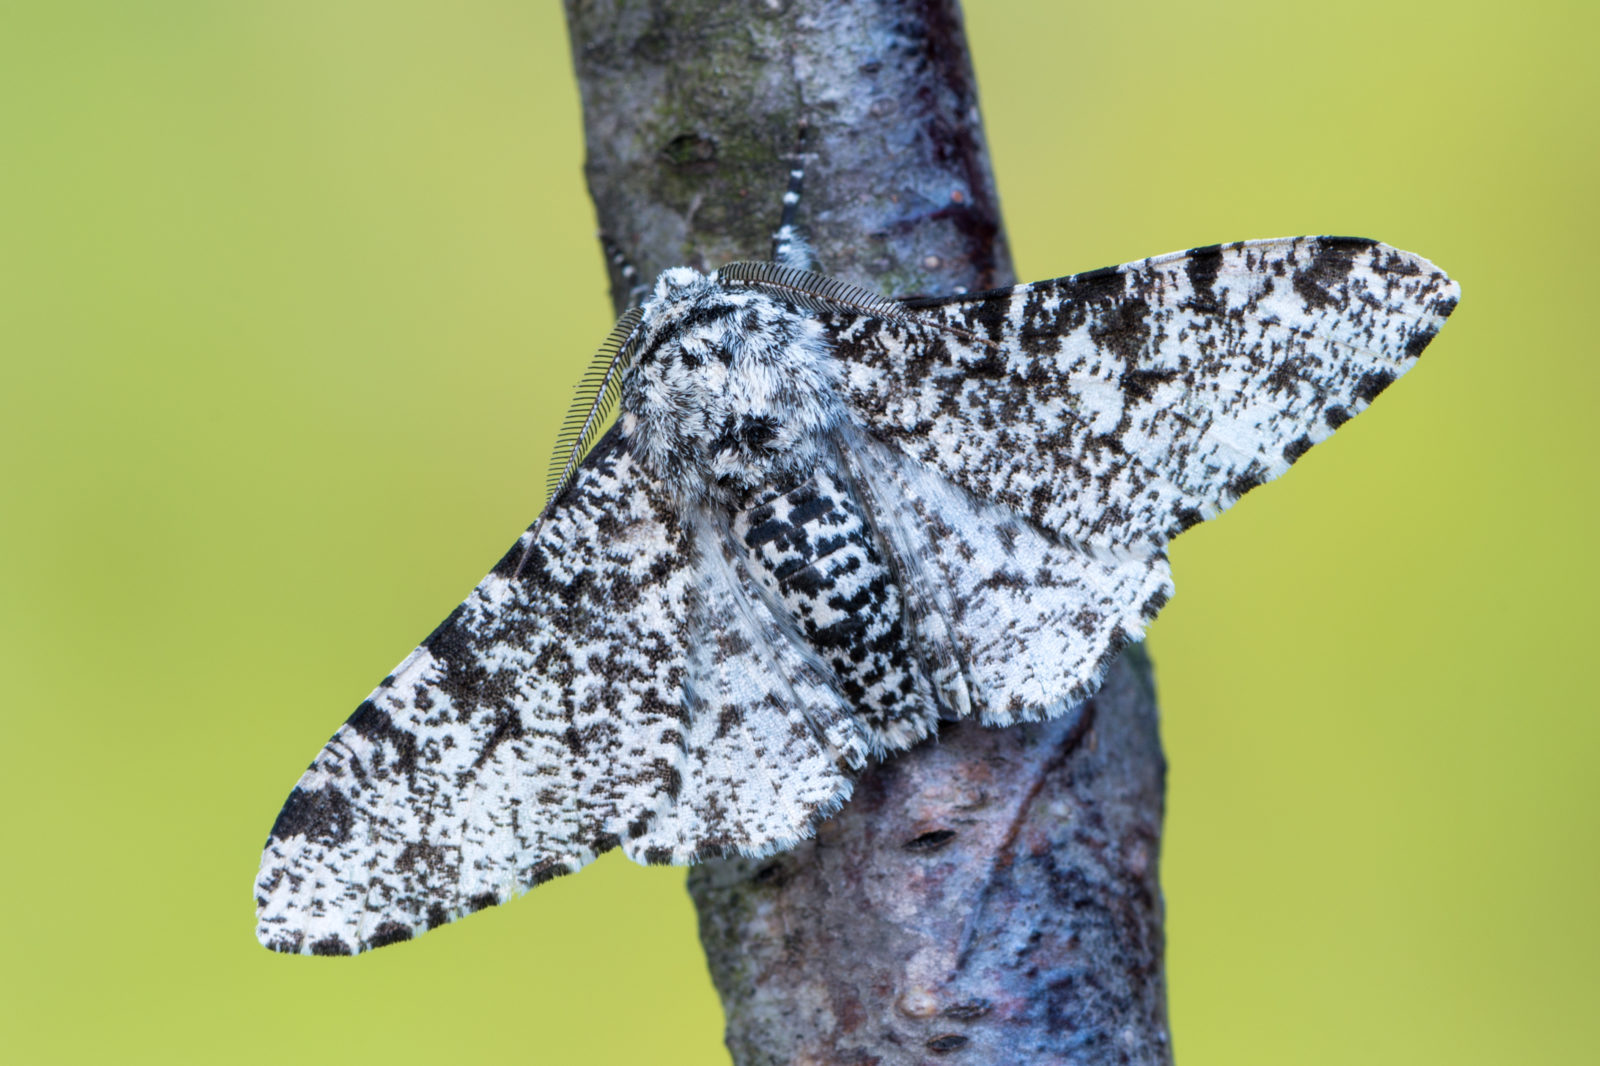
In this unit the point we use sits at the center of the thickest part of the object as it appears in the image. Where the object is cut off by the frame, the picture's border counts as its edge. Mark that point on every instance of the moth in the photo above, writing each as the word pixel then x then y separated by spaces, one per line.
pixel 823 522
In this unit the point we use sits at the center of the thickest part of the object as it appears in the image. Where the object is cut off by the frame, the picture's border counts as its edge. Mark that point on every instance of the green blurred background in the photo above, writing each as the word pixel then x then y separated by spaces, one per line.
pixel 291 296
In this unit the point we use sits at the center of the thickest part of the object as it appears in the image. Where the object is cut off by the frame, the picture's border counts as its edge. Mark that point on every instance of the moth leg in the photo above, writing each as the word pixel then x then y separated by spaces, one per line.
pixel 789 248
pixel 624 270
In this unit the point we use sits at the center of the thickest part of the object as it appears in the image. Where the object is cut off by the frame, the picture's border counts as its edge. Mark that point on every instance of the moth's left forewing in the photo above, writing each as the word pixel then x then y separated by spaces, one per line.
pixel 1123 405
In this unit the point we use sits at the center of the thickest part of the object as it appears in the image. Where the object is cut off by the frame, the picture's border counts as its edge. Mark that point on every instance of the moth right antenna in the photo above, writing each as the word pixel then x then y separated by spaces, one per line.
pixel 625 269
pixel 788 247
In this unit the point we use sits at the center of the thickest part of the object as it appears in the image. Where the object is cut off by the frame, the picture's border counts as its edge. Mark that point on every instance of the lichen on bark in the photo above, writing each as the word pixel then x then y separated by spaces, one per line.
pixel 990 896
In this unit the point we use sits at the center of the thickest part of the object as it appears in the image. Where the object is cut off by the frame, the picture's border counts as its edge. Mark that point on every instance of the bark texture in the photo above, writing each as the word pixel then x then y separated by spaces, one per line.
pixel 691 108
pixel 992 896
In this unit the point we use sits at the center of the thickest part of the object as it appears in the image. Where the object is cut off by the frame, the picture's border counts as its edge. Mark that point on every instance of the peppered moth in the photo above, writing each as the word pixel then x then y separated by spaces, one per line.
pixel 823 522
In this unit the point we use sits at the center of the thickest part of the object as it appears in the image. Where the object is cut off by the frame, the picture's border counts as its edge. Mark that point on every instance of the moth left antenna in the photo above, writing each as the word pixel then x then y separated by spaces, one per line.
pixel 594 401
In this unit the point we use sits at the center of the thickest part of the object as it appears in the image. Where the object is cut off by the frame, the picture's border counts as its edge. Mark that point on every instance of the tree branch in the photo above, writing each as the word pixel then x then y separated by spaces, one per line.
pixel 993 895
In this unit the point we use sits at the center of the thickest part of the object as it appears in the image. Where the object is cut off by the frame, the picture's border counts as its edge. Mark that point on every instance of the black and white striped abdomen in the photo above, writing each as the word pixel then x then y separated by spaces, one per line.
pixel 811 547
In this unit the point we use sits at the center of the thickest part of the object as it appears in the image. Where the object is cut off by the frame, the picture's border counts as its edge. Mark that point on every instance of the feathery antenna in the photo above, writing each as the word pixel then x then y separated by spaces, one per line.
pixel 593 402
pixel 814 292
pixel 821 294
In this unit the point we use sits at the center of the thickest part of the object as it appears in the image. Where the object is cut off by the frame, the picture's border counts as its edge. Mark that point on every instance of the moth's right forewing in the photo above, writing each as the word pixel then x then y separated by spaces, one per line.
pixel 531 731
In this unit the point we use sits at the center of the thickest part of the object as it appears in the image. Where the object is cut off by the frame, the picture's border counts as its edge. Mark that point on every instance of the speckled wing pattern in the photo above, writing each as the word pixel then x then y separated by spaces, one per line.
pixel 1124 405
pixel 983 528
pixel 1011 624
pixel 770 741
pixel 520 740
pixel 545 722
pixel 1033 449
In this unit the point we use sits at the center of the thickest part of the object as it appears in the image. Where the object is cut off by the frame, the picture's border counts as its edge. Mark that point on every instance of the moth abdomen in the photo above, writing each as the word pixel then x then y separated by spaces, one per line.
pixel 812 549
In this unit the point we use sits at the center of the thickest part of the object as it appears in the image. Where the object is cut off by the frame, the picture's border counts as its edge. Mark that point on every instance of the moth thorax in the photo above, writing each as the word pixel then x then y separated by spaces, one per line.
pixel 729 389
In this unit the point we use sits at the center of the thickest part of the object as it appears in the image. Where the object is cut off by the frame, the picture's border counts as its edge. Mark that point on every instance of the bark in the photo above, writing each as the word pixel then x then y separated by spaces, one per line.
pixel 991 896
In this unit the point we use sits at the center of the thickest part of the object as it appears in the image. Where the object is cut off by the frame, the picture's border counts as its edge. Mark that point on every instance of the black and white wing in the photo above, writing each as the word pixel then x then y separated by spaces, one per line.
pixel 1039 445
pixel 557 713
pixel 1011 623
pixel 771 743
pixel 1125 405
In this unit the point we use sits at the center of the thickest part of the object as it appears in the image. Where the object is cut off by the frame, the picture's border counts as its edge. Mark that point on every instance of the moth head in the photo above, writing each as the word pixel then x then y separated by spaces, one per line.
pixel 729 387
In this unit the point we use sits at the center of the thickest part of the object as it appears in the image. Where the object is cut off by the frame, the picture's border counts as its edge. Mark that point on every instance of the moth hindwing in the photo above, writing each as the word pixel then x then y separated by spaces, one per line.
pixel 823 522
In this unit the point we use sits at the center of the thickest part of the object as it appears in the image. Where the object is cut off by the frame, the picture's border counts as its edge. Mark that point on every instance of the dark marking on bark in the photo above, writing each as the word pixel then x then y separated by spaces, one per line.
pixel 971 1010
pixel 691 151
pixel 932 840
pixel 771 875
pixel 946 1043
